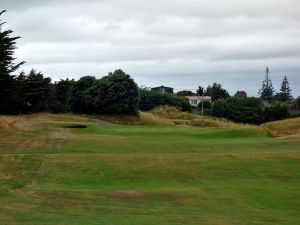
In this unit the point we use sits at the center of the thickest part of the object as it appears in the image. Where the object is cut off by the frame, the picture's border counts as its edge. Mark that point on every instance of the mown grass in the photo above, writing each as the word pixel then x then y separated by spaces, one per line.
pixel 145 174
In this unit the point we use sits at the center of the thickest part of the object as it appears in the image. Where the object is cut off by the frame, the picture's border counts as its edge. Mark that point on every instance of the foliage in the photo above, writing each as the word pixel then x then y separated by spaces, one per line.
pixel 200 90
pixel 277 111
pixel 62 96
pixel 150 100
pixel 185 93
pixel 216 92
pixel 35 89
pixel 240 94
pixel 206 105
pixel 245 110
pixel 7 49
pixel 267 91
pixel 285 93
pixel 9 96
pixel 83 94
pixel 117 94
pixel 295 104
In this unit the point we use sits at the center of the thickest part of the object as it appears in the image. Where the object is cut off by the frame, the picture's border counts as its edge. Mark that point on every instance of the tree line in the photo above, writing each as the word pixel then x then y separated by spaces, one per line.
pixel 117 93
pixel 268 106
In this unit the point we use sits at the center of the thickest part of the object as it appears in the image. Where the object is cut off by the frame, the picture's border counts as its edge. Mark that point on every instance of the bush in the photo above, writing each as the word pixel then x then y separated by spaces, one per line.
pixel 277 111
pixel 83 94
pixel 206 105
pixel 149 100
pixel 245 110
pixel 117 94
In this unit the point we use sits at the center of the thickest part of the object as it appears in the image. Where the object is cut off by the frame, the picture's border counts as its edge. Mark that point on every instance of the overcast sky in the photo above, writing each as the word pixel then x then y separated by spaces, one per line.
pixel 177 43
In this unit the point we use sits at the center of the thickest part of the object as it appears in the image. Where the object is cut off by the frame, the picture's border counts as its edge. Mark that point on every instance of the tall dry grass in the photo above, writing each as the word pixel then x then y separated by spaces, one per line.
pixel 8 121
pixel 144 118
pixel 189 119
pixel 283 127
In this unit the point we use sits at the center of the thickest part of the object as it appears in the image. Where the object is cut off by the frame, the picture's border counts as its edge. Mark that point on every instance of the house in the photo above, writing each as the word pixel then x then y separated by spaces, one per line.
pixel 163 89
pixel 195 100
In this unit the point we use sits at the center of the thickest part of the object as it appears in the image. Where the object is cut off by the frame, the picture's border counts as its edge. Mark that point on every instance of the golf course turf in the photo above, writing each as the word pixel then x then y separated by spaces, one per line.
pixel 147 175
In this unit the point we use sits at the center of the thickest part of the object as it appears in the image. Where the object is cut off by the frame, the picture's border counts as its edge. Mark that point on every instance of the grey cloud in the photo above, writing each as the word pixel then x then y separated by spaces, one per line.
pixel 171 42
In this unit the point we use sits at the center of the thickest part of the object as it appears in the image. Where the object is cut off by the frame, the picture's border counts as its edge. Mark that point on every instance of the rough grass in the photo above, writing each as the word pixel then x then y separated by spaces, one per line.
pixel 144 118
pixel 168 115
pixel 283 127
pixel 184 118
pixel 146 175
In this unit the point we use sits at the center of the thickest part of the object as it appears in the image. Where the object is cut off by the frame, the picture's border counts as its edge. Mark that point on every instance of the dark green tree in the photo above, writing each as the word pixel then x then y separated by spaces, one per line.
pixel 276 111
pixel 150 99
pixel 185 93
pixel 245 110
pixel 35 89
pixel 61 96
pixel 117 94
pixel 200 90
pixel 83 94
pixel 267 91
pixel 240 94
pixel 216 92
pixel 9 96
pixel 285 93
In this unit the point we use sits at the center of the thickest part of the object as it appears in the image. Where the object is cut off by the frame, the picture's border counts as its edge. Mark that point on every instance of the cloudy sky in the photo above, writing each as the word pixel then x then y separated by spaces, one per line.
pixel 178 43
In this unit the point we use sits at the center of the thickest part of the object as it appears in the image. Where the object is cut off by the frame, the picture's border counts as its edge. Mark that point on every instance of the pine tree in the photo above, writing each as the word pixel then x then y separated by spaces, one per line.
pixel 267 91
pixel 9 99
pixel 285 90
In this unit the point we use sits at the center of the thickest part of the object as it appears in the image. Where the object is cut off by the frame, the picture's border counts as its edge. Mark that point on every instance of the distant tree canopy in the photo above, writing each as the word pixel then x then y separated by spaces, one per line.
pixel 150 100
pixel 285 93
pixel 117 93
pixel 244 110
pixel 267 91
pixel 240 94
pixel 216 92
pixel 9 95
pixel 200 90
pixel 185 93
pixel 83 95
pixel 35 89
pixel 62 96
pixel 276 111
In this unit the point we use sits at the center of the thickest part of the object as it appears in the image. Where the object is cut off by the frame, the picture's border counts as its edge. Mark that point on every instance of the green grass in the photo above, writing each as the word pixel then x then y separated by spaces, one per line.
pixel 148 175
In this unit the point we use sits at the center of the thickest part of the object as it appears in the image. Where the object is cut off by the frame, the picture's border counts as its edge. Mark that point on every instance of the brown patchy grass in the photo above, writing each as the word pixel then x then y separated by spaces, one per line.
pixel 30 121
pixel 283 127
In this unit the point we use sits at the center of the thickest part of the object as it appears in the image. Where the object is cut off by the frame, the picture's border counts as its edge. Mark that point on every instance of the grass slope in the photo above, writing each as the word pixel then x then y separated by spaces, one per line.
pixel 146 175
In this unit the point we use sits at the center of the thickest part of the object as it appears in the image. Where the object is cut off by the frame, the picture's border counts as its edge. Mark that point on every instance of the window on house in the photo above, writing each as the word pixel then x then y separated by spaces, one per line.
pixel 194 102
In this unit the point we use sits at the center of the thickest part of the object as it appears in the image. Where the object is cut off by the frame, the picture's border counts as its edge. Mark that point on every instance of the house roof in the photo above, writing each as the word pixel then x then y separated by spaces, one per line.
pixel 198 97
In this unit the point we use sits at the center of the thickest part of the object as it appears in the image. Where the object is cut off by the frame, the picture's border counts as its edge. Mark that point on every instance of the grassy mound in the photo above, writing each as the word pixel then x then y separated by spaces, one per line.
pixel 189 119
pixel 283 127
pixel 144 118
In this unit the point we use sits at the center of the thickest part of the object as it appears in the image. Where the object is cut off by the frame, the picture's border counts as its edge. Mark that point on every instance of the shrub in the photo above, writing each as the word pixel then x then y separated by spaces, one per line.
pixel 277 111
pixel 83 93
pixel 149 100
pixel 245 110
pixel 117 94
